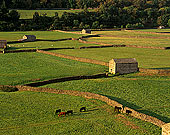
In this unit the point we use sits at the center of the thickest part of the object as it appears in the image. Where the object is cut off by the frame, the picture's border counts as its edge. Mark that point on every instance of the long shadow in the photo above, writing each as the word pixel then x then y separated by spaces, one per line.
pixel 14 42
pixel 139 109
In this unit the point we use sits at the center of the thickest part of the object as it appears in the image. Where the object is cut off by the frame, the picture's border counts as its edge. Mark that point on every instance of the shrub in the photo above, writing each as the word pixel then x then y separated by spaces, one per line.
pixel 8 89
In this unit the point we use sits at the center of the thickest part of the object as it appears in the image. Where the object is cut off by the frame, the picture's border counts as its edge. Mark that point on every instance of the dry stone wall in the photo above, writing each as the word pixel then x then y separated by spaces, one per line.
pixel 89 95
pixel 75 58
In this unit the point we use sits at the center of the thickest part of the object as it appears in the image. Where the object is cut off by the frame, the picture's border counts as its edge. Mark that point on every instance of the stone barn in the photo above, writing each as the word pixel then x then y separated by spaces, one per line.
pixel 3 44
pixel 123 66
pixel 29 38
pixel 166 129
pixel 86 31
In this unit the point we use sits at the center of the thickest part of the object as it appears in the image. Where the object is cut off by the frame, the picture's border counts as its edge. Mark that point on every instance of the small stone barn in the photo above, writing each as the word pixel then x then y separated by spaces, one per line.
pixel 3 44
pixel 123 66
pixel 166 129
pixel 86 31
pixel 29 38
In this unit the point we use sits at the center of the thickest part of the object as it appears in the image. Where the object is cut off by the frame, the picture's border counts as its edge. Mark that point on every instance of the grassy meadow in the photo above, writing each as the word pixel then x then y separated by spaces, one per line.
pixel 133 38
pixel 147 58
pixel 147 94
pixel 33 113
pixel 28 14
pixel 22 68
pixel 42 35
pixel 45 35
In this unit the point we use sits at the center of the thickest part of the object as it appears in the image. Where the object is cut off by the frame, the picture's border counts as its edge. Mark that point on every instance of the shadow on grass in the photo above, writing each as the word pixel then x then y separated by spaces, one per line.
pixel 139 109
pixel 91 110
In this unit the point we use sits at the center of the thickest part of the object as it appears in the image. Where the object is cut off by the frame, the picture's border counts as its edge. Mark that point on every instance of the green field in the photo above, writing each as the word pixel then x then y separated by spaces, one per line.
pixel 42 35
pixel 147 58
pixel 147 94
pixel 28 14
pixel 46 35
pixel 33 113
pixel 21 68
pixel 133 38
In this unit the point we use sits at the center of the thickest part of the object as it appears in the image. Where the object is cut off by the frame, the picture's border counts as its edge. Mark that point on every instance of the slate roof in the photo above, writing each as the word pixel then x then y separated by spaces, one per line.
pixel 125 60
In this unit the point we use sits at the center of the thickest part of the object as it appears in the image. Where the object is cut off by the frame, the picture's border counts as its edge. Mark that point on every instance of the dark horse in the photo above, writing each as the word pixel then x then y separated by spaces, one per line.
pixel 117 109
pixel 83 109
pixel 128 112
pixel 57 111
pixel 69 112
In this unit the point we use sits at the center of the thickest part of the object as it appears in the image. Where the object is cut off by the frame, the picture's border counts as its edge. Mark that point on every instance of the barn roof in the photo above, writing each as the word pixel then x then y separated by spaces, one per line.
pixel 30 35
pixel 125 60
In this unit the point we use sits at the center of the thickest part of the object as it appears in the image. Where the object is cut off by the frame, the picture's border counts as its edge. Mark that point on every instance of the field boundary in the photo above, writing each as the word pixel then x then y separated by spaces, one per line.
pixel 134 46
pixel 151 71
pixel 89 95
pixel 41 83
pixel 75 58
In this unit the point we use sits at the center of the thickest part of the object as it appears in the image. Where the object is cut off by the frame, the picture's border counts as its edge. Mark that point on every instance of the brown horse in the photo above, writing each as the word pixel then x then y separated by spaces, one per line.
pixel 62 113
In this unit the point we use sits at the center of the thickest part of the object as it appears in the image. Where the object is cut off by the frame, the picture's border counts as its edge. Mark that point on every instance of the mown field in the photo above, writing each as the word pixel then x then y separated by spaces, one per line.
pixel 28 14
pixel 33 113
pixel 21 68
pixel 134 38
pixel 147 94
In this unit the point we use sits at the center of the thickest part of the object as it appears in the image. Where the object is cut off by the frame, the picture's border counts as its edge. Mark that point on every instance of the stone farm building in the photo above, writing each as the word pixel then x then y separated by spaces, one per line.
pixel 3 44
pixel 86 31
pixel 29 38
pixel 123 66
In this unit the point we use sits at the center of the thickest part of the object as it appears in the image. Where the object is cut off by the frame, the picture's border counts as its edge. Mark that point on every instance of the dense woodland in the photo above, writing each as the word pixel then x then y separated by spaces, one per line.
pixel 107 14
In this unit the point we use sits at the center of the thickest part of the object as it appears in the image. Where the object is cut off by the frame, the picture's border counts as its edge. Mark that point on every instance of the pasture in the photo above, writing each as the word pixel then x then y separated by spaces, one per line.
pixel 33 113
pixel 147 58
pixel 22 68
pixel 133 38
pixel 45 35
pixel 28 14
pixel 48 38
pixel 147 94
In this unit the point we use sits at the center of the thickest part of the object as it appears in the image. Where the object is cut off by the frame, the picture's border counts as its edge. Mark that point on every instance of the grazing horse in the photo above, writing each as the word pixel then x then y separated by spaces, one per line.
pixel 128 112
pixel 69 112
pixel 62 113
pixel 117 109
pixel 57 111
pixel 83 109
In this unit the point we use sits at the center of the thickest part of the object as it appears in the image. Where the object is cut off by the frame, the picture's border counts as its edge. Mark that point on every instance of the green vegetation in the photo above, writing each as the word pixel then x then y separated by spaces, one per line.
pixel 42 35
pixel 147 58
pixel 22 68
pixel 138 33
pixel 33 113
pixel 147 94
pixel 133 41
pixel 28 14
pixel 46 35
pixel 133 38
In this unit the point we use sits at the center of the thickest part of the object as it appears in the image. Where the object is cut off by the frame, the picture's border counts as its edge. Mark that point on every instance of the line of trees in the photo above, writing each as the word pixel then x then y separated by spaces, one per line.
pixel 108 14
pixel 32 4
